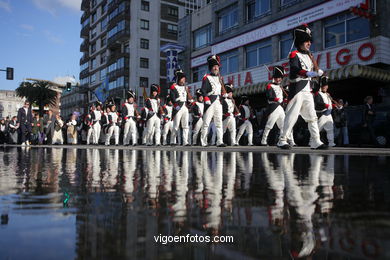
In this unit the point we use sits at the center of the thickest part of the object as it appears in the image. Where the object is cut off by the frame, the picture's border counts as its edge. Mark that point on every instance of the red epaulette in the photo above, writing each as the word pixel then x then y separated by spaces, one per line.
pixel 173 86
pixel 293 54
pixel 205 76
pixel 269 86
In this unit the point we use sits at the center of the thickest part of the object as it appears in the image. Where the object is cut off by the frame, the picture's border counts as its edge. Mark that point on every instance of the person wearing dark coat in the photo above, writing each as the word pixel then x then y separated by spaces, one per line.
pixel 368 118
pixel 25 119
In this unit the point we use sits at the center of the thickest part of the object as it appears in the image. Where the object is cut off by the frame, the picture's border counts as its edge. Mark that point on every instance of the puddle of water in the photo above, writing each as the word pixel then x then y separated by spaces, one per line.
pixel 97 204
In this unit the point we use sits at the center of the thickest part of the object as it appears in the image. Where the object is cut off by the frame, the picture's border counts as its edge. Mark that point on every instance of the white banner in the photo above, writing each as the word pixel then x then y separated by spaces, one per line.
pixel 313 14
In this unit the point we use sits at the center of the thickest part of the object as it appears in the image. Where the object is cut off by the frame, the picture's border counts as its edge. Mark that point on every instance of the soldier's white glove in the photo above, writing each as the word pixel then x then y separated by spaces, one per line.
pixel 208 102
pixel 225 95
pixel 191 100
pixel 320 72
pixel 311 74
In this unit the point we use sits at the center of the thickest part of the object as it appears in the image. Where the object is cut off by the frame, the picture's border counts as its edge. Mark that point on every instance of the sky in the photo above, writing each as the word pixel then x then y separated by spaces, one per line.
pixel 39 39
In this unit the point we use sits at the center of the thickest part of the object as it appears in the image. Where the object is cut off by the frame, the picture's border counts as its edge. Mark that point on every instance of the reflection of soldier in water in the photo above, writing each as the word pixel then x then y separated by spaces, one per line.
pixel 152 166
pixel 181 182
pixel 245 167
pixel 229 178
pixel 129 178
pixel 275 180
pixel 302 198
pixel 212 179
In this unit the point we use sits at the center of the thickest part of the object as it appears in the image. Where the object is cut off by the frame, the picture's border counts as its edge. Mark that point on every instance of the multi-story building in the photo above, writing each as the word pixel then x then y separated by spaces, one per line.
pixel 252 36
pixel 9 103
pixel 121 44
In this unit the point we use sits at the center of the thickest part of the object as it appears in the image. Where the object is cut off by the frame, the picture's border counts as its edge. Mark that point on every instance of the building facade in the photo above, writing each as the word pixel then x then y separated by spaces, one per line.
pixel 252 36
pixel 9 103
pixel 121 44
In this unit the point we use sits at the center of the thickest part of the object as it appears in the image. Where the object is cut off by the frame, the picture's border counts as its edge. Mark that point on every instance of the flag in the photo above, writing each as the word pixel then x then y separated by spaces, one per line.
pixel 102 92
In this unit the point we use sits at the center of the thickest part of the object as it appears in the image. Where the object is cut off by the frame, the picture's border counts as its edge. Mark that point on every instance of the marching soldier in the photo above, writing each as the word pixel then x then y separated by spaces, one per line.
pixel 246 113
pixel 230 111
pixel 167 120
pixel 180 96
pixel 96 117
pixel 130 115
pixel 112 123
pixel 212 90
pixel 153 119
pixel 323 105
pixel 303 69
pixel 275 110
pixel 88 125
pixel 197 114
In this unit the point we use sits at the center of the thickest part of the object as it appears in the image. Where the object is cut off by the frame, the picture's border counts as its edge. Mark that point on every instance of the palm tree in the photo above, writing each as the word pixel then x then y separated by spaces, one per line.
pixel 38 92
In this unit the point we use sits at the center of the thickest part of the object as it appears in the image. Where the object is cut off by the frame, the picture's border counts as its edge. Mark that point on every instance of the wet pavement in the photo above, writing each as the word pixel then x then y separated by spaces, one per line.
pixel 68 203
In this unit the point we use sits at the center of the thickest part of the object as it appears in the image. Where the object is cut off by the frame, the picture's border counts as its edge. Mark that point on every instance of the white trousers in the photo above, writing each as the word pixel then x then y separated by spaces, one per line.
pixel 130 132
pixel 277 116
pixel 181 117
pixel 96 132
pixel 230 123
pixel 153 126
pixel 246 126
pixel 214 112
pixel 302 104
pixel 114 129
pixel 195 132
pixel 326 122
pixel 168 127
pixel 90 134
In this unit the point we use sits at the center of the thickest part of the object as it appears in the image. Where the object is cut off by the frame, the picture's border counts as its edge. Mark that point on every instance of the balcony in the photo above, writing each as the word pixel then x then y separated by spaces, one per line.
pixel 84 73
pixel 115 55
pixel 85 31
pixel 118 73
pixel 124 15
pixel 84 59
pixel 85 5
pixel 116 40
pixel 84 47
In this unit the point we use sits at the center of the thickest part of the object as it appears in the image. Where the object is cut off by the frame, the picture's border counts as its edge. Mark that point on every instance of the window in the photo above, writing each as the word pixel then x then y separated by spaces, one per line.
pixel 229 62
pixel 286 41
pixel 144 44
pixel 103 74
pixel 144 63
pixel 103 58
pixel 145 6
pixel 103 23
pixel 228 19
pixel 198 73
pixel 258 53
pixel 103 41
pixel 116 11
pixel 84 66
pixel 144 24
pixel 202 37
pixel 143 82
pixel 93 3
pixel 104 8
pixel 288 2
pixel 92 78
pixel 119 27
pixel 173 11
pixel 256 8
pixel 119 64
pixel 172 28
pixel 93 33
pixel 345 28
pixel 93 47
pixel 93 17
